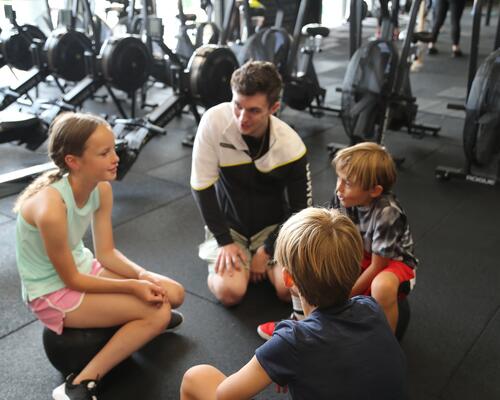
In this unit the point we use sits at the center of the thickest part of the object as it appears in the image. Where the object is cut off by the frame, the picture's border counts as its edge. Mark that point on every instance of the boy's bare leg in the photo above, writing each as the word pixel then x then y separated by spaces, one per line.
pixel 201 382
pixel 384 289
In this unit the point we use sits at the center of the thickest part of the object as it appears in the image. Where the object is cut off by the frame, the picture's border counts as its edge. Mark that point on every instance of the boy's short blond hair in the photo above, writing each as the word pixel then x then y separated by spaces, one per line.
pixel 322 249
pixel 367 164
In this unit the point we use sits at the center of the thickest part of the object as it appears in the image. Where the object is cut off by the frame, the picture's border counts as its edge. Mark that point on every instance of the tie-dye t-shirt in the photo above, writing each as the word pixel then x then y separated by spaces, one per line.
pixel 384 228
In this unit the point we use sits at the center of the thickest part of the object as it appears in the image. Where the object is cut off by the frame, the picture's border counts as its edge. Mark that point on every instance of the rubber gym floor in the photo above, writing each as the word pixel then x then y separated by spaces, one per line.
pixel 452 343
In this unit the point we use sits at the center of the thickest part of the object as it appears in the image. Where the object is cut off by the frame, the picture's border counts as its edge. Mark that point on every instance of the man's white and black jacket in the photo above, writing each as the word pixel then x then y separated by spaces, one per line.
pixel 234 190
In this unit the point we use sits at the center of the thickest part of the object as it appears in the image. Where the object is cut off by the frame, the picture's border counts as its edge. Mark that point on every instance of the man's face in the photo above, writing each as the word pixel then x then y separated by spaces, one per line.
pixel 252 113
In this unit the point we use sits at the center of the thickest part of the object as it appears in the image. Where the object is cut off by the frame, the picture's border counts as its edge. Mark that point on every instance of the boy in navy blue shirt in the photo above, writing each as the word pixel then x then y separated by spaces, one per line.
pixel 344 347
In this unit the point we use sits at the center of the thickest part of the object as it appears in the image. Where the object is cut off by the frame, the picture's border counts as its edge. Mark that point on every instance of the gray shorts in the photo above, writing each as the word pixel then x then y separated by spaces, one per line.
pixel 208 250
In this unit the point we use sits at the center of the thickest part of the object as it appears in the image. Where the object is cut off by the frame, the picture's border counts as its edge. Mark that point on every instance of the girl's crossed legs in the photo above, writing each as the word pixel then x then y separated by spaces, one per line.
pixel 141 322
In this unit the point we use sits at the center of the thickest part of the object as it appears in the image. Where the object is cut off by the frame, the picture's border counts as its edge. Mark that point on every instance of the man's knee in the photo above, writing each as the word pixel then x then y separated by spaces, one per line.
pixel 230 296
pixel 228 291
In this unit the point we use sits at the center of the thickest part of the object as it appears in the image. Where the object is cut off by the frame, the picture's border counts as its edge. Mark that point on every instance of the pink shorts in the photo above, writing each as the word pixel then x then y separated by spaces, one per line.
pixel 51 308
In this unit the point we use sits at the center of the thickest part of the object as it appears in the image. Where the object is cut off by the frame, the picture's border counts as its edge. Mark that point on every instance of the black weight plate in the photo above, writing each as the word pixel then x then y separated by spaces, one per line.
pixel 126 62
pixel 210 69
pixel 16 46
pixel 65 54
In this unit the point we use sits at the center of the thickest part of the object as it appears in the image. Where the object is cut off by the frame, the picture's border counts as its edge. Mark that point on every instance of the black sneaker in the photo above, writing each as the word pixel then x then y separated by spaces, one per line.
pixel 83 391
pixel 176 319
pixel 432 51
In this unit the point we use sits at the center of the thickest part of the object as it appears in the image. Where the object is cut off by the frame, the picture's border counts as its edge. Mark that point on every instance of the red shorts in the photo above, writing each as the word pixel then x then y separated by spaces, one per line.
pixel 405 274
pixel 51 308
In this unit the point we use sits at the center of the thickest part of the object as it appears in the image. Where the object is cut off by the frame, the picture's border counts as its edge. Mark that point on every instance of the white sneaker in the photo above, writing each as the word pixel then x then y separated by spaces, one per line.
pixel 83 391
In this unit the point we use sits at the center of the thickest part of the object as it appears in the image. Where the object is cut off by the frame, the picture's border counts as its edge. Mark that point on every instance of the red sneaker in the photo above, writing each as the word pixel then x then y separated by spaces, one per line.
pixel 266 330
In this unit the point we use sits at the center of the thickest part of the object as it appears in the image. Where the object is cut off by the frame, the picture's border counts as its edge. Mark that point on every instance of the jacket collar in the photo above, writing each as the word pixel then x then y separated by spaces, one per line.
pixel 232 138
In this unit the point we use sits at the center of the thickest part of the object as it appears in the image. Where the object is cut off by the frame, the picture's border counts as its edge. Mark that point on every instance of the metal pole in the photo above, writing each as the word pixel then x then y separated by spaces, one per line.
pixel 474 43
pixel 354 26
pixel 49 16
pixel 292 58
pixel 488 13
pixel 130 16
pixel 401 72
pixel 497 36
pixel 228 16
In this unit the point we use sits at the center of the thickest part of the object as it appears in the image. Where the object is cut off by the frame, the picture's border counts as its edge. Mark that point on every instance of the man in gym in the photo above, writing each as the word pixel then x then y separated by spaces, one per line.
pixel 249 174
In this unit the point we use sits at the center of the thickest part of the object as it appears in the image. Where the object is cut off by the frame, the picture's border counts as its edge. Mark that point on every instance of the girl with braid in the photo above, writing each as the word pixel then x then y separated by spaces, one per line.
pixel 62 283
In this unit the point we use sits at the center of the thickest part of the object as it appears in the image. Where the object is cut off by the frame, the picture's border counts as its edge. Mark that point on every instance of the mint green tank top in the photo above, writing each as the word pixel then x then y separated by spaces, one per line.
pixel 38 275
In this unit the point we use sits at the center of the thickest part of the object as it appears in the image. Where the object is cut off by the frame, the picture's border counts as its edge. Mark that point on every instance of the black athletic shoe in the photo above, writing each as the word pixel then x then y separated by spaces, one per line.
pixel 176 320
pixel 83 391
pixel 457 53
pixel 432 51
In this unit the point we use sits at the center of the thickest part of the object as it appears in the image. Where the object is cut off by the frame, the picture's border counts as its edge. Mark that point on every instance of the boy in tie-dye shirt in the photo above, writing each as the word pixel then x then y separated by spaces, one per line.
pixel 365 176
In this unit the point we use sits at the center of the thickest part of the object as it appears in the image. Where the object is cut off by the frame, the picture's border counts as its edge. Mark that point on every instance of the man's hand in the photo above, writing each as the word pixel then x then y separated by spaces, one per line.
pixel 230 257
pixel 258 268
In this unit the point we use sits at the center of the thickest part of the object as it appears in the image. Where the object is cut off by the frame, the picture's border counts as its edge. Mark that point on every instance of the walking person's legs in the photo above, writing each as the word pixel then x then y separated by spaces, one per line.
pixel 456 11
pixel 440 11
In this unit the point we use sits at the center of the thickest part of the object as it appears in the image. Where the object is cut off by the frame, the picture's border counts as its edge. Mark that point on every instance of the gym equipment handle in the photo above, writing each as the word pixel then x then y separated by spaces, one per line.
pixel 454 106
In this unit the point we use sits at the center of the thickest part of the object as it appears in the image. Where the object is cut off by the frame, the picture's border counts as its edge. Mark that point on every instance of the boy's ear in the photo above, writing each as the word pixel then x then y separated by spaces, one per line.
pixel 287 278
pixel 376 191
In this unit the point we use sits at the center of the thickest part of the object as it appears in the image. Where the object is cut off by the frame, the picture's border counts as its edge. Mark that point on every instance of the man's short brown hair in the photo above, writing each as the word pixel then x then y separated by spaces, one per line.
pixel 322 249
pixel 257 77
pixel 366 164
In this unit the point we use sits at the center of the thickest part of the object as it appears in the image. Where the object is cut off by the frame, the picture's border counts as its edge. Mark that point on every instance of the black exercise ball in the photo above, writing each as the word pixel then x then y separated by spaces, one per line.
pixel 404 317
pixel 74 348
